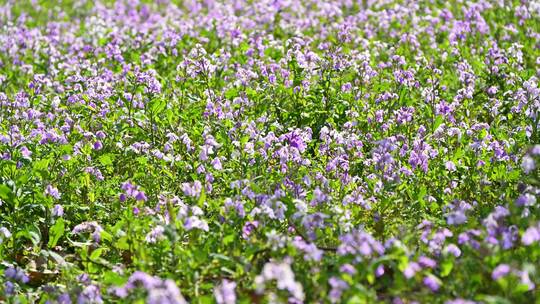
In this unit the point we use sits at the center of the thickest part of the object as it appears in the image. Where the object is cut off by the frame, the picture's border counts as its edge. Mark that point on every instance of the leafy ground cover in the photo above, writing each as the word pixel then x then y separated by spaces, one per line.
pixel 274 151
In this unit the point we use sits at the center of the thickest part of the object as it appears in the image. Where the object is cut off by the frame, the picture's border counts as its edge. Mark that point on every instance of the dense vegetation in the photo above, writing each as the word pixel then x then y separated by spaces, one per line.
pixel 282 151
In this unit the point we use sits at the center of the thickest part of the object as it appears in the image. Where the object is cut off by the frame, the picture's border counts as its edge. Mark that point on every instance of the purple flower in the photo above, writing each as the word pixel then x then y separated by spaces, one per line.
pixel 100 134
pixel 311 251
pixel 531 235
pixel 411 270
pixel 450 166
pixel 140 196
pixel 225 293
pixel 64 299
pixel 338 286
pixel 158 291
pixel 58 210
pixel 9 288
pixel 192 189
pixel 528 164
pixel 379 271
pixel 525 279
pixel 359 243
pixel 216 163
pixel 427 262
pixel 90 295
pixel 248 228
pixel 460 301
pixel 92 227
pixel 432 283
pixel 283 275
pixel 457 213
pixel 25 152
pixel 52 191
pixel 98 145
pixel 500 271
pixel 318 197
pixel 492 90
pixel 193 222
pixel 16 274
pixel 4 234
pixel 453 250
pixel 526 199
pixel 348 268
pixel 155 234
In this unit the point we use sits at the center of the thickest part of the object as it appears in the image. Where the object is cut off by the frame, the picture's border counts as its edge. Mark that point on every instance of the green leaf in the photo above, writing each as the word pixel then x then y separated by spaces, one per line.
pixel 520 288
pixel 5 192
pixel 202 198
pixel 96 253
pixel 158 105
pixel 32 233
pixel 58 258
pixel 205 299
pixel 106 159
pixel 122 243
pixel 228 239
pixel 106 236
pixel 446 267
pixel 494 299
pixel 56 231
pixel 113 278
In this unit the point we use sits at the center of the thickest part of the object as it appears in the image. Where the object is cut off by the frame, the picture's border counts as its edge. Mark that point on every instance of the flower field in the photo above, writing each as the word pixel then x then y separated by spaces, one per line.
pixel 272 151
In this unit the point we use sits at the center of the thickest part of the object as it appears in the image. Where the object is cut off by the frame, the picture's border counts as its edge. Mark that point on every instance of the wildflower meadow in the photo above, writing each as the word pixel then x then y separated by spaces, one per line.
pixel 269 151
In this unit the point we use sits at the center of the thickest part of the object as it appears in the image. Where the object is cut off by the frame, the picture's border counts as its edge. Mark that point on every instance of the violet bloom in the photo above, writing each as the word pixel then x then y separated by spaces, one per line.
pixel 452 249
pixel 492 90
pixel 411 270
pixel 159 291
pixel 9 288
pixel 359 243
pixel 431 282
pixel 16 275
pixel 193 222
pixel 282 273
pixel 338 286
pixel 460 301
pixel 236 205
pixel 98 145
pixel 500 271
pixel 92 227
pixel 225 293
pixel 64 299
pixel 531 235
pixel 216 163
pixel 192 189
pixel 379 271
pixel 248 228
pixel 100 134
pixel 25 152
pixel 427 262
pixel 52 191
pixel 528 164
pixel 58 210
pixel 311 251
pixel 347 268
pixel 4 234
pixel 450 166
pixel 140 196
pixel 526 199
pixel 90 295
